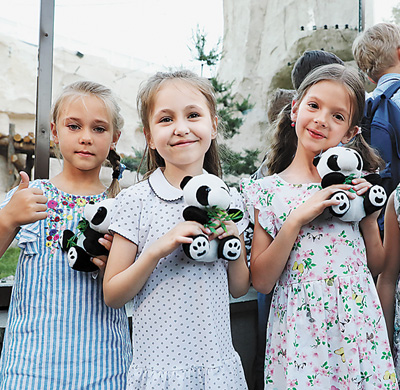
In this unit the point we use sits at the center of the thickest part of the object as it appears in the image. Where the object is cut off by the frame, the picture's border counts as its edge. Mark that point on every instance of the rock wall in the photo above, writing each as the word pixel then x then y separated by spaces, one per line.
pixel 263 39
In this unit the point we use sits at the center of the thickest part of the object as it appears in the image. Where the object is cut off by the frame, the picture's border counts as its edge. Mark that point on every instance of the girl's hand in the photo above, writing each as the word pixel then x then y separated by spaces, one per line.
pixel 361 185
pixel 101 261
pixel 180 234
pixel 231 230
pixel 317 203
pixel 27 205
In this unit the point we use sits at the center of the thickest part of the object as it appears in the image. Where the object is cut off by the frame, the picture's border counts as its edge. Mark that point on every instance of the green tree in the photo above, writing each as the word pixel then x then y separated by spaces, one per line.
pixel 231 110
pixel 396 14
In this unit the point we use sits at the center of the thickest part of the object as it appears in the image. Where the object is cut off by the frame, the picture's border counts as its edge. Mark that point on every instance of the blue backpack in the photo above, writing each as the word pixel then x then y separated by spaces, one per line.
pixel 381 129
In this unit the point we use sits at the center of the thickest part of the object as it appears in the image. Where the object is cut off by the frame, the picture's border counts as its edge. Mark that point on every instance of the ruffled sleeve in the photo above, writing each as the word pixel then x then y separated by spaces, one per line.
pixel 28 236
pixel 259 194
pixel 126 217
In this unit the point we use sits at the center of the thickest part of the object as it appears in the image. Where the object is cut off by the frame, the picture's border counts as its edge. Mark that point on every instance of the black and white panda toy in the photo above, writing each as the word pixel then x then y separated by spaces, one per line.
pixel 339 165
pixel 207 197
pixel 81 246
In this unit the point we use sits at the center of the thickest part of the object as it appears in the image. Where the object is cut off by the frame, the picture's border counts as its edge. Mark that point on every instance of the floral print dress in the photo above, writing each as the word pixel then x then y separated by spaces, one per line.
pixel 396 335
pixel 326 329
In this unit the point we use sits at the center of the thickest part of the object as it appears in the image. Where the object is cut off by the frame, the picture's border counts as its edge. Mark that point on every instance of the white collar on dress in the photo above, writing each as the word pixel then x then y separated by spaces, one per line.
pixel 162 188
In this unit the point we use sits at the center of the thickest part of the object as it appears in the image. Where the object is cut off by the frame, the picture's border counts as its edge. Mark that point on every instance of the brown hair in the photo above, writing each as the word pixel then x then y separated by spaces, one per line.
pixel 284 144
pixel 84 88
pixel 145 103
pixel 376 49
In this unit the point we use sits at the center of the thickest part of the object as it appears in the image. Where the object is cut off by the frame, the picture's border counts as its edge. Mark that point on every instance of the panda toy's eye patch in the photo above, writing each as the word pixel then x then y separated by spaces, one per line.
pixel 332 163
pixel 202 195
pixel 100 216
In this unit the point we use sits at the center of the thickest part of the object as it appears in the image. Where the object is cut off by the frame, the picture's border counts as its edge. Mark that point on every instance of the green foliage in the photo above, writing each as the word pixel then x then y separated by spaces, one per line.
pixel 132 163
pixel 199 40
pixel 396 14
pixel 8 262
pixel 234 163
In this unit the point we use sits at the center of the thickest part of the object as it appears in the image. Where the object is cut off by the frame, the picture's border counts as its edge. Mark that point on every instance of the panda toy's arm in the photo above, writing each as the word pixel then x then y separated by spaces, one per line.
pixel 373 178
pixel 332 178
pixel 193 213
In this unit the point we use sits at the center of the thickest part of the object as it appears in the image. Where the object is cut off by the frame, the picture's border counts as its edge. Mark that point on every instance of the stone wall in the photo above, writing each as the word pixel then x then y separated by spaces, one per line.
pixel 263 39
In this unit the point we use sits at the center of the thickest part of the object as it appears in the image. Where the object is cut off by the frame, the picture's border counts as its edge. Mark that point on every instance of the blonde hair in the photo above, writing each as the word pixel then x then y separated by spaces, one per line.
pixel 145 104
pixel 284 144
pixel 376 49
pixel 85 88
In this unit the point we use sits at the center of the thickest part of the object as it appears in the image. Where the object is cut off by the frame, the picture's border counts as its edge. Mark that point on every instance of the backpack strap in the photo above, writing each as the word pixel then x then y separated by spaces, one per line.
pixel 389 92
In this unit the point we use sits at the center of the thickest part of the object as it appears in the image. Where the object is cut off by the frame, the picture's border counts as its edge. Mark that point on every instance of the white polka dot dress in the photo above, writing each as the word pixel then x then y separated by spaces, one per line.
pixel 181 326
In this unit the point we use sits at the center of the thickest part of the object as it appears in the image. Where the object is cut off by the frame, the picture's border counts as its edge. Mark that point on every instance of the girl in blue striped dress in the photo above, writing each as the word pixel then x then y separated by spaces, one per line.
pixel 60 334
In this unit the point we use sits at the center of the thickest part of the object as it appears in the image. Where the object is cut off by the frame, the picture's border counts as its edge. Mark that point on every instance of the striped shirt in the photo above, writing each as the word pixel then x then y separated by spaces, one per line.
pixel 60 334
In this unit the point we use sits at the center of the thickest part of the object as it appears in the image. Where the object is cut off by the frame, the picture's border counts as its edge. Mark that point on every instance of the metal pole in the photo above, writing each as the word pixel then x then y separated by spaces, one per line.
pixel 44 87
pixel 361 15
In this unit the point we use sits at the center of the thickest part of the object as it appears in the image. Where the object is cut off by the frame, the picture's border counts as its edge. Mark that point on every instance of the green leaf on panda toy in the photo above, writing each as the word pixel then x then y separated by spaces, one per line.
pixel 82 226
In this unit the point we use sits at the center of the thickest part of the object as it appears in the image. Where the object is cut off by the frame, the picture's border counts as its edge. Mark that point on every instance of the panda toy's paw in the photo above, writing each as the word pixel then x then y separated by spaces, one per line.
pixel 375 199
pixel 79 260
pixel 229 248
pixel 343 207
pixel 198 249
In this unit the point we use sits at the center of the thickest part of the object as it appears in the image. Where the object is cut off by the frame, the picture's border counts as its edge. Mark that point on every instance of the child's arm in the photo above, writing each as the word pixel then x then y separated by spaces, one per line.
pixel 27 205
pixel 370 231
pixel 269 256
pixel 386 284
pixel 238 271
pixel 124 277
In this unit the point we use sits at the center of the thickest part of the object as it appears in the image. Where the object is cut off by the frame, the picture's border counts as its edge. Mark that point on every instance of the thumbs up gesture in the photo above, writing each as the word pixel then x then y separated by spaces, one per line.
pixel 27 205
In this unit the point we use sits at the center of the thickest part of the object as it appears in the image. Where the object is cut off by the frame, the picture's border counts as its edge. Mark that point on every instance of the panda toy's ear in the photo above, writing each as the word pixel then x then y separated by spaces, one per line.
pixel 184 181
pixel 316 160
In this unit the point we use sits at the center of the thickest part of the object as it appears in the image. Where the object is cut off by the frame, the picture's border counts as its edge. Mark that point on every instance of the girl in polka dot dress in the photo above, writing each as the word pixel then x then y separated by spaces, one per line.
pixel 181 327
pixel 60 334
pixel 326 328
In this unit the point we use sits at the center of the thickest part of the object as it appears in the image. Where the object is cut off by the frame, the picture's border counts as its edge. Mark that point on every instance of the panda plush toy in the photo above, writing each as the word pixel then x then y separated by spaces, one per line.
pixel 340 165
pixel 81 246
pixel 207 198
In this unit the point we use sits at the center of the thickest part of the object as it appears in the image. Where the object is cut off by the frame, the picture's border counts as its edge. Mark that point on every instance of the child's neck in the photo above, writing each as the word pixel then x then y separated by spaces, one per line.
pixel 174 174
pixel 300 171
pixel 86 183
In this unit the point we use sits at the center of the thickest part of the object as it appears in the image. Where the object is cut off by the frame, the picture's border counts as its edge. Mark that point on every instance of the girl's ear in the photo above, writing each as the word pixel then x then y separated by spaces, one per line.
pixel 53 130
pixel 294 111
pixel 214 130
pixel 149 138
pixel 116 137
pixel 350 134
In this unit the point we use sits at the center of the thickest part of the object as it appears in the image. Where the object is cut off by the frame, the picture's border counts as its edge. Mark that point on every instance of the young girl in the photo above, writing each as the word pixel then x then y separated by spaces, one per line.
pixel 388 282
pixel 326 329
pixel 181 330
pixel 60 334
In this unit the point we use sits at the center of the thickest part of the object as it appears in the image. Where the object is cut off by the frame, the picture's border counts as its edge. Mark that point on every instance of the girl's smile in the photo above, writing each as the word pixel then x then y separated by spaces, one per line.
pixel 181 127
pixel 323 116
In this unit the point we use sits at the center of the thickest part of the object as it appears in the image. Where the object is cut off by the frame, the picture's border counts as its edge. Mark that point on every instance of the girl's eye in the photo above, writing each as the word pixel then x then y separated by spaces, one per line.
pixel 194 115
pixel 313 105
pixel 73 127
pixel 339 117
pixel 166 119
pixel 99 129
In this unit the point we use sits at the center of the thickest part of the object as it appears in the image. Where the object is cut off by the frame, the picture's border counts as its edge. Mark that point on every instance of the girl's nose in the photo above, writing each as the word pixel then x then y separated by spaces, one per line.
pixel 181 129
pixel 320 121
pixel 86 138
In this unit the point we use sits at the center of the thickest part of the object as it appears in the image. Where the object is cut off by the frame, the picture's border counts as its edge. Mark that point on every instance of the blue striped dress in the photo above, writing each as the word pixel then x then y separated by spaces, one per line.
pixel 60 334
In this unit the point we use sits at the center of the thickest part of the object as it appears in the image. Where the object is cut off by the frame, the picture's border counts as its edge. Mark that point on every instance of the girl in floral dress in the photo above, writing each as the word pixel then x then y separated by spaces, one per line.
pixel 326 328
pixel 388 281
pixel 60 334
